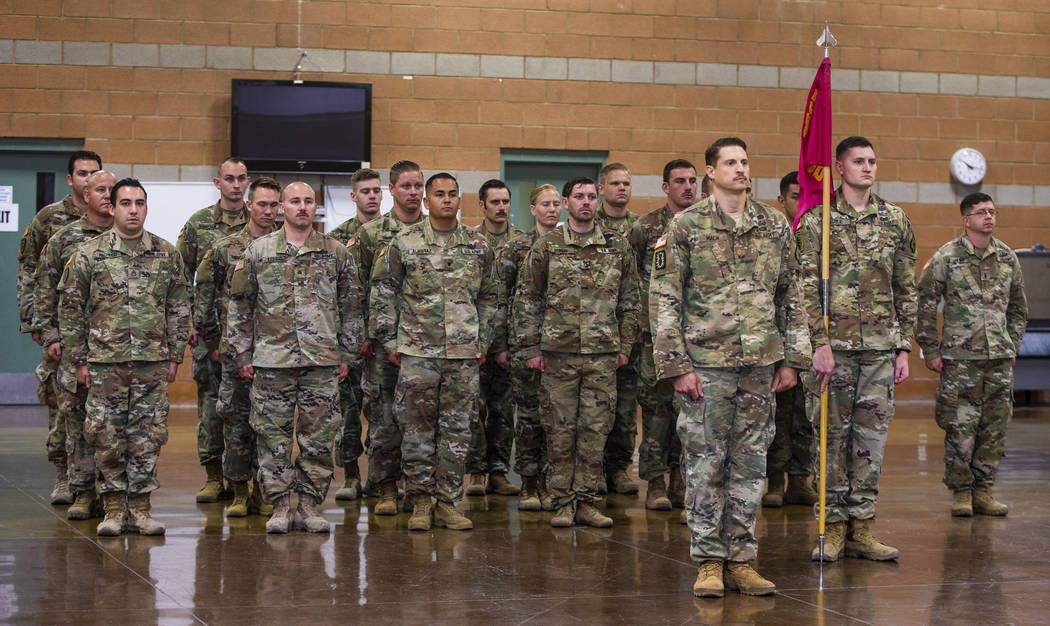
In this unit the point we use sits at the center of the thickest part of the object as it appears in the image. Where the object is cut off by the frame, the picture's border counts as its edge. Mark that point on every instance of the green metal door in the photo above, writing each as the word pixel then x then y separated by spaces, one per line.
pixel 524 170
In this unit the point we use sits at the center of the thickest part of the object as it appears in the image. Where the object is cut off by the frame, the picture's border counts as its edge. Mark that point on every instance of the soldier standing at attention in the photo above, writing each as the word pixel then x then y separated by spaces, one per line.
pixel 294 324
pixel 576 316
pixel 208 225
pixel 730 330
pixel 492 434
pixel 47 221
pixel 979 280
pixel 367 193
pixel 210 308
pixel 70 394
pixel 124 317
pixel 871 320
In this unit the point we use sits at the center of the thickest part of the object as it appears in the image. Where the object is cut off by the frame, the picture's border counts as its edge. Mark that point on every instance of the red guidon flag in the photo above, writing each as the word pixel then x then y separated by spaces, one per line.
pixel 815 153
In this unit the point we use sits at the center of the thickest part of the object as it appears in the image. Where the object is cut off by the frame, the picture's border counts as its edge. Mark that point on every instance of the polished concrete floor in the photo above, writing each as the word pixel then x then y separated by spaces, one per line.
pixel 514 568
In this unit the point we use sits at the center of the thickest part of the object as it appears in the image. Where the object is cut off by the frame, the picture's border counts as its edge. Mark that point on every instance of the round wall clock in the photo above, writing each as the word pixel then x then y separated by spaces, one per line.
pixel 968 166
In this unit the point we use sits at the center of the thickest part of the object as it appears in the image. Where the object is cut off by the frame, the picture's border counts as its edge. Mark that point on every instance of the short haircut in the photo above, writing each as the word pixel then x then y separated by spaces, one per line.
pixel 579 180
pixel 849 143
pixel 231 159
pixel 712 152
pixel 126 182
pixel 675 165
pixel 365 173
pixel 612 167
pixel 401 167
pixel 537 192
pixel 791 178
pixel 83 155
pixel 98 173
pixel 440 176
pixel 266 183
pixel 705 184
pixel 973 200
pixel 492 183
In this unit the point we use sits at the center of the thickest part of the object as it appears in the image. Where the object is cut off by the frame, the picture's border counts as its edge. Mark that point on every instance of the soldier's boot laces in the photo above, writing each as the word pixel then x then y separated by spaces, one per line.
pixel 446 516
pixel 212 488
pixel 476 485
pixel 239 506
pixel 61 493
pixel 83 506
pixel 709 580
pixel 587 515
pixel 985 504
pixel 962 503
pixel 774 496
pixel 834 542
pixel 387 504
pixel 313 521
pixel 861 543
pixel 256 504
pixel 676 488
pixel 800 490
pixel 563 518
pixel 351 489
pixel 139 519
pixel 619 482
pixel 281 518
pixel 656 495
pixel 530 498
pixel 499 485
pixel 422 509
pixel 743 577
pixel 113 522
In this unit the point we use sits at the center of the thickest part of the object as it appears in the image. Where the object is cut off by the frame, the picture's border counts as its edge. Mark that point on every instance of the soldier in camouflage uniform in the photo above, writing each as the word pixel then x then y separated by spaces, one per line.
pixel 380 375
pixel 492 434
pixel 576 313
pixel 729 328
pixel 865 352
pixel 436 301
pixel 45 224
pixel 294 323
pixel 660 450
pixel 208 225
pixel 124 317
pixel 979 280
pixel 71 395
pixel 210 307
pixel 367 193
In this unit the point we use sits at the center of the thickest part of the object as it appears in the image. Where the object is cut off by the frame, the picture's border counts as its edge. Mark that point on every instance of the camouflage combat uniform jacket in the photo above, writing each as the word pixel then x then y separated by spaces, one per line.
pixel 497 243
pixel 508 259
pixel 643 235
pixel 45 224
pixel 619 225
pixel 370 240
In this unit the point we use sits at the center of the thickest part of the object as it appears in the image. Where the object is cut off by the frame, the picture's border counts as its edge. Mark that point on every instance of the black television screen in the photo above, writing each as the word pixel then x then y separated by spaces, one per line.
pixel 314 126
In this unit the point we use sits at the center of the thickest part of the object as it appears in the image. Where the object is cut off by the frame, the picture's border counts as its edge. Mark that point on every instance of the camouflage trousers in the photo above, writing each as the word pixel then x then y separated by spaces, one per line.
pixel 793 448
pixel 79 455
pixel 234 408
pixel 975 401
pixel 47 393
pixel 577 407
pixel 860 408
pixel 208 374
pixel 660 450
pixel 492 433
pixel 276 394
pixel 349 447
pixel 619 446
pixel 434 404
pixel 127 423
pixel 725 435
pixel 531 455
pixel 384 437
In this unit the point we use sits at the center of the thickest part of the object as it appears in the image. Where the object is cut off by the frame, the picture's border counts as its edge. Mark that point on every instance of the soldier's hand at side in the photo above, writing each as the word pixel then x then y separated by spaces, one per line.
pixel 38 339
pixel 173 369
pixel 55 351
pixel 215 356
pixel 689 384
pixel 344 371
pixel 368 349
pixel 482 359
pixel 1013 360
pixel 503 359
pixel 823 365
pixel 395 358
pixel 900 368
pixel 621 360
pixel 83 377
pixel 784 378
pixel 935 365
pixel 193 338
pixel 535 363
pixel 247 372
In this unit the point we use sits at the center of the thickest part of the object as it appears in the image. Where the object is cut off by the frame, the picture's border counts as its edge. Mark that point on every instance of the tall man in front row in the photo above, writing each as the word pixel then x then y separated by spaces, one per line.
pixel 294 324
pixel 730 330
pixel 979 280
pixel 125 319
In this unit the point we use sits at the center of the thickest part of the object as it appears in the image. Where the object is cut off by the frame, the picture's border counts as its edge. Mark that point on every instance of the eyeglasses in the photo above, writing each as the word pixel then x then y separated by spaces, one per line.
pixel 982 213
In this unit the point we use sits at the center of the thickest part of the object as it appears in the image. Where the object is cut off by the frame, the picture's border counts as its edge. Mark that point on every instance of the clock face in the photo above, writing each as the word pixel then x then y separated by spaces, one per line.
pixel 968 166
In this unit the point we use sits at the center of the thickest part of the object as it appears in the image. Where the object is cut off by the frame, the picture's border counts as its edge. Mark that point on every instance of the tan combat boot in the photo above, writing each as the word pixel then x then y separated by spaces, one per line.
pixel 563 518
pixel 499 485
pixel 281 519
pixel 962 503
pixel 256 504
pixel 212 488
pixel 113 523
pixel 351 489
pixel 239 506
pixel 985 504
pixel 476 485
pixel 587 515
pixel 83 506
pixel 446 516
pixel 860 543
pixel 530 497
pixel 139 519
pixel 774 497
pixel 834 542
pixel 421 512
pixel 312 518
pixel 676 488
pixel 741 576
pixel 709 580
pixel 683 518
pixel 61 493
pixel 656 496
pixel 387 504
pixel 800 490
pixel 620 482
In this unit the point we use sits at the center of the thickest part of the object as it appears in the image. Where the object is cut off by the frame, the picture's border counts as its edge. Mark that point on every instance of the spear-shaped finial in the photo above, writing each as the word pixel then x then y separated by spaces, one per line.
pixel 827 40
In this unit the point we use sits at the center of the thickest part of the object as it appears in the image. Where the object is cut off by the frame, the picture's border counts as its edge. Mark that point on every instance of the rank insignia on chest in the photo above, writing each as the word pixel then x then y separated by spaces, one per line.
pixel 239 266
pixel 660 259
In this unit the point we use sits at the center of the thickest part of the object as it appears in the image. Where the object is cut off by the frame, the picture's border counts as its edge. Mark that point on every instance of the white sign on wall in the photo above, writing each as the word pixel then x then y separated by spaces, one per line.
pixel 8 210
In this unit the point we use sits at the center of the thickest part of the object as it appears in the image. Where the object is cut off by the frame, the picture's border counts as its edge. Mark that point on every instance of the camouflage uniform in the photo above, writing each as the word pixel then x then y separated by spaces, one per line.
pixel 45 224
pixel 70 395
pixel 124 312
pixel 198 235
pixel 871 317
pixel 985 314
pixel 295 315
pixel 437 303
pixel 577 307
pixel 725 303
pixel 794 447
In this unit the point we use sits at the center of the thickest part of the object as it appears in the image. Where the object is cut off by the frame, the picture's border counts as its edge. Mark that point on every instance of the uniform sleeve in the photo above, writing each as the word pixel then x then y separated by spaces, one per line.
pixel 671 263
pixel 788 299
pixel 492 307
pixel 530 301
pixel 627 304
pixel 904 286
pixel 929 293
pixel 75 290
pixel 33 242
pixel 388 274
pixel 1017 308
pixel 351 298
pixel 45 295
pixel 240 318
pixel 177 312
pixel 207 289
pixel 639 240
pixel 807 239
pixel 187 247
pixel 365 255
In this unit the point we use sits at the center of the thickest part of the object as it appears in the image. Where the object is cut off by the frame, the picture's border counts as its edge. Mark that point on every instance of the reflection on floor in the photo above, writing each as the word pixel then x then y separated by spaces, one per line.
pixel 514 568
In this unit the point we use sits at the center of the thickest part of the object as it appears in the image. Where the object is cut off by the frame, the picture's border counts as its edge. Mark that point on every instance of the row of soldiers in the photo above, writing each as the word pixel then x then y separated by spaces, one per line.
pixel 573 322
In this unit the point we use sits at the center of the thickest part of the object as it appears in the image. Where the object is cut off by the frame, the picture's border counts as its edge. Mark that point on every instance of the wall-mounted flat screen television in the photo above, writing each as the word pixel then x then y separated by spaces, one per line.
pixel 313 126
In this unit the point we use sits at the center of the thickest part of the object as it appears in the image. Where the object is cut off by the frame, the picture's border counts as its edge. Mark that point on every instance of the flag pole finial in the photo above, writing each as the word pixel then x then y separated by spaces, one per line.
pixel 827 40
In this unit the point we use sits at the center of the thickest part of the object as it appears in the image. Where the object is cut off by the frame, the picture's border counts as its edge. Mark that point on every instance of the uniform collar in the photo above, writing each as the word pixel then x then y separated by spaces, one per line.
pixel 219 216
pixel 71 207
pixel 87 225
pixel 844 208
pixel 749 217
pixel 993 244
pixel 595 237
pixel 314 242
pixel 459 233
pixel 117 243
